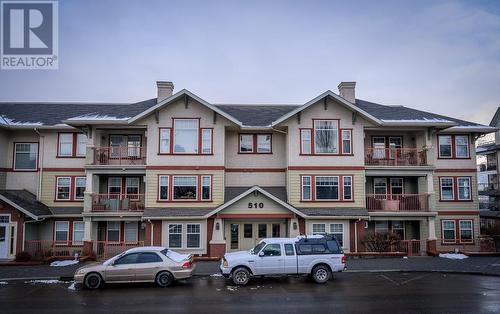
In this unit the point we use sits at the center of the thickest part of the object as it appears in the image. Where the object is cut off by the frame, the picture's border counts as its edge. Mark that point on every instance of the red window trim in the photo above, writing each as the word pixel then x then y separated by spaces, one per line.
pixel 69 241
pixel 339 140
pixel 14 158
pixel 254 144
pixel 121 231
pixel 453 146
pixel 458 239
pixel 170 189
pixel 342 142
pixel 74 146
pixel 341 188
pixel 169 142
pixel 171 152
pixel 72 190
pixel 455 189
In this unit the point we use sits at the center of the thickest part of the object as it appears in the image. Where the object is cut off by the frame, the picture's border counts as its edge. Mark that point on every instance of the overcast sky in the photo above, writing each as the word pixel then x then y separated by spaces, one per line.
pixel 440 56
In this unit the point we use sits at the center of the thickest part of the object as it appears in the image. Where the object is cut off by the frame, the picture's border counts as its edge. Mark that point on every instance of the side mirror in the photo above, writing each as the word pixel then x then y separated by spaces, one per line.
pixel 261 254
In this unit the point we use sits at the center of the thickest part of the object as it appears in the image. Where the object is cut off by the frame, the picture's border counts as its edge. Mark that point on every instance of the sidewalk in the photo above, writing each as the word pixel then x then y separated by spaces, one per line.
pixel 472 265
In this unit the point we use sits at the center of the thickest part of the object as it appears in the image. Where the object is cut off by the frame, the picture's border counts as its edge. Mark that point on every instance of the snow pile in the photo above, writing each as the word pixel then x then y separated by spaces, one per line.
pixel 453 255
pixel 4 283
pixel 232 288
pixel 216 275
pixel 7 121
pixel 63 263
pixel 72 287
pixel 177 257
pixel 96 116
pixel 50 281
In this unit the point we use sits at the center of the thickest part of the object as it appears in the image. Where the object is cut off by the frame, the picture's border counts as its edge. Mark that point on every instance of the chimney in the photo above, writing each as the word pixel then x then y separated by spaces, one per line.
pixel 165 90
pixel 346 91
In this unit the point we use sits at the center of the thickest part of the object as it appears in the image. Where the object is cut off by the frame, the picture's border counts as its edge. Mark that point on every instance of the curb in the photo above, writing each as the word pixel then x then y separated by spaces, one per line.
pixel 445 271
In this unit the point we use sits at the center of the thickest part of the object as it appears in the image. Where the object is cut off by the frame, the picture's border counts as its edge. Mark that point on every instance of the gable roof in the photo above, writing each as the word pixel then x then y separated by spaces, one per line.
pixel 256 115
pixel 26 203
pixel 496 117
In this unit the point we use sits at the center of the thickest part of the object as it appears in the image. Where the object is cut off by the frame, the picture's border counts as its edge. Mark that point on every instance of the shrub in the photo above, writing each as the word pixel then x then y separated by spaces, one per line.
pixel 23 257
pixel 380 242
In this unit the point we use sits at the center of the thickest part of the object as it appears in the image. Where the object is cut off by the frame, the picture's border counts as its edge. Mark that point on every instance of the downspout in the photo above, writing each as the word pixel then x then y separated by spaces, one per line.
pixel 40 175
pixel 152 229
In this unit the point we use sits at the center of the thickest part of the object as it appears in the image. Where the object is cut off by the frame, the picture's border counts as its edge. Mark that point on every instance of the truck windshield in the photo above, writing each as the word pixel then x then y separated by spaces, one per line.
pixel 258 247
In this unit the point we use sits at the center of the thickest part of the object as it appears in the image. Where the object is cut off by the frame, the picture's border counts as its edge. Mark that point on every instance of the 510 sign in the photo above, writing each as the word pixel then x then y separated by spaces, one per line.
pixel 256 205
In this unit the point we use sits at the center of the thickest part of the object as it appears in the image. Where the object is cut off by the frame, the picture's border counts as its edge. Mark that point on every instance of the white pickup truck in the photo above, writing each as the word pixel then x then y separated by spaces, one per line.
pixel 318 256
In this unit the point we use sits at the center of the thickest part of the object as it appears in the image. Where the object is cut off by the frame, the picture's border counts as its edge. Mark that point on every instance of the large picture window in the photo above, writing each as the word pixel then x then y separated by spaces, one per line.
pixel 327 188
pixel 325 136
pixel 185 188
pixel 25 156
pixel 186 136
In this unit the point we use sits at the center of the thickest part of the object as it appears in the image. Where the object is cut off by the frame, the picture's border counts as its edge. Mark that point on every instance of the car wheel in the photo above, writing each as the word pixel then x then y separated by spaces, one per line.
pixel 92 281
pixel 241 276
pixel 164 279
pixel 321 274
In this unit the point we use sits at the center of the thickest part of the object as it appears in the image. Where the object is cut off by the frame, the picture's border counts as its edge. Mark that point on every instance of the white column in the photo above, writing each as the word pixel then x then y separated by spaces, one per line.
pixel 87 234
pixel 432 228
pixel 218 232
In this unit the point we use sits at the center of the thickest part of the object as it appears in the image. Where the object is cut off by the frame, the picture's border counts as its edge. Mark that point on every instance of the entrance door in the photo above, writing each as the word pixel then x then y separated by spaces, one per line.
pixel 245 235
pixel 4 240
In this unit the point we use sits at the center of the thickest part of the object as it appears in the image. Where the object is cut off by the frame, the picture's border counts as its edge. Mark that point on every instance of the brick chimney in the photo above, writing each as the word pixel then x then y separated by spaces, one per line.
pixel 165 90
pixel 347 91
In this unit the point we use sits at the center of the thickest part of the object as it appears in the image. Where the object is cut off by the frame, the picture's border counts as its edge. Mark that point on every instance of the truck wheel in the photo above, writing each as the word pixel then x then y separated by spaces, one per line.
pixel 321 274
pixel 92 281
pixel 241 276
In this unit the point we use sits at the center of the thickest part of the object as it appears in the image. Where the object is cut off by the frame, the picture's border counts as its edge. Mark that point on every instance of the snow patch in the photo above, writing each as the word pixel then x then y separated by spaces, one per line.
pixel 50 281
pixel 177 257
pixel 216 275
pixel 7 121
pixel 4 283
pixel 453 255
pixel 72 287
pixel 232 288
pixel 64 263
pixel 417 120
pixel 98 117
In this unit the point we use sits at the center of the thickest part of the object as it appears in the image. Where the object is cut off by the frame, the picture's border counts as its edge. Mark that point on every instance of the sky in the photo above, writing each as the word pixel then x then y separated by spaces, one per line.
pixel 439 56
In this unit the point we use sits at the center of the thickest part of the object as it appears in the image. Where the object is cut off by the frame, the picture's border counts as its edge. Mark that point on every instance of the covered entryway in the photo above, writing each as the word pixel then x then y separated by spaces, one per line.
pixel 244 235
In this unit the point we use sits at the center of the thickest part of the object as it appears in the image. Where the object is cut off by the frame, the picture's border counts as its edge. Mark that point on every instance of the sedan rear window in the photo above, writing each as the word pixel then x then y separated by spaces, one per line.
pixel 149 258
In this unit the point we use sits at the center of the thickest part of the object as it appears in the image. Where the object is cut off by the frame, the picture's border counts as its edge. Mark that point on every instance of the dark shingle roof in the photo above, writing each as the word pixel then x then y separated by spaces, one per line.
pixel 27 201
pixel 257 115
pixel 362 212
pixel 176 212
pixel 232 192
pixel 53 113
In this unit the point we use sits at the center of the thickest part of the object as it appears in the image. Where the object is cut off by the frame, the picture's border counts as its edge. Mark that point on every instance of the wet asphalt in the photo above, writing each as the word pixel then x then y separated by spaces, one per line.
pixel 393 292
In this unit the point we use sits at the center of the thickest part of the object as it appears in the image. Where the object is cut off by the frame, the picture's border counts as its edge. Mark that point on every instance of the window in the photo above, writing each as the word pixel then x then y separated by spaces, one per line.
pixel 325 137
pixel 347 185
pixel 65 144
pixel 193 235
pixel 398 227
pixel 165 140
pixel 306 188
pixel 464 189
pixel 447 192
pixel 80 183
pixel 78 231
pixel 396 186
pixel 327 188
pixel 125 146
pixel 206 186
pixel 262 230
pixel 130 229
pixel 337 230
pixel 115 186
pixel 445 146
pixel 378 144
pixel 81 144
pixel 186 136
pixel 127 259
pixel 289 251
pixel 71 145
pixel 264 143
pixel 248 231
pixel 206 141
pixel 381 226
pixel 380 186
pixel 132 187
pixel 461 146
pixel 275 230
pixel 395 145
pixel 61 231
pixel 163 186
pixel 272 250
pixel 465 230
pixel 318 228
pixel 346 142
pixel 25 156
pixel 448 231
pixel 134 146
pixel 149 258
pixel 246 143
pixel 174 235
pixel 305 141
pixel 63 188
pixel 185 188
pixel 113 231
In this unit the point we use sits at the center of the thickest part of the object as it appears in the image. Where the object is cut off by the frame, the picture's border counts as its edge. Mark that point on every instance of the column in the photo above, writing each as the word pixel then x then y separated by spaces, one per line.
pixel 293 228
pixel 217 244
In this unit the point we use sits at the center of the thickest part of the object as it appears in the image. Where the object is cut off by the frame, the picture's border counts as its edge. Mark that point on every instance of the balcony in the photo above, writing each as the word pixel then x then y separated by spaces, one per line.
pixel 119 155
pixel 395 157
pixel 117 202
pixel 397 202
pixel 487 187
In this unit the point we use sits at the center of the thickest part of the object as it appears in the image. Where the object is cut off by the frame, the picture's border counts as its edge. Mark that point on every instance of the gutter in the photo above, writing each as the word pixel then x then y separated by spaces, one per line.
pixel 40 174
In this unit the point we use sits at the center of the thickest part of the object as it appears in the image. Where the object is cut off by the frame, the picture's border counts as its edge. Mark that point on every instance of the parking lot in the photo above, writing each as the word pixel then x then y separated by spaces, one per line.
pixel 348 292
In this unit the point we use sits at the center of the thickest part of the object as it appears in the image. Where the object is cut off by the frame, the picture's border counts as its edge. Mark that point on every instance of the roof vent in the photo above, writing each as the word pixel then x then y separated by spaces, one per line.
pixel 347 91
pixel 165 90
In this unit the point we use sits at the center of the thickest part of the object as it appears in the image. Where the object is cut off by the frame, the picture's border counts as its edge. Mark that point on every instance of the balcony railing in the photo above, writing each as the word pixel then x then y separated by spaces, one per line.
pixel 105 250
pixel 117 202
pixel 395 157
pixel 397 202
pixel 485 187
pixel 410 247
pixel 120 155
pixel 489 205
pixel 42 249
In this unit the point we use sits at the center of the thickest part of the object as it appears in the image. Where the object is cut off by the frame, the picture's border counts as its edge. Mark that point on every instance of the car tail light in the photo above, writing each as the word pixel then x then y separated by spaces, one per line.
pixel 187 264
pixel 343 259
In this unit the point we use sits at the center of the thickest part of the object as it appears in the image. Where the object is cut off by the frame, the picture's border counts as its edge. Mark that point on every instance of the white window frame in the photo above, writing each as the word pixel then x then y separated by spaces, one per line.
pixel 259 136
pixel 160 186
pixel 110 179
pixel 176 129
pixel 466 145
pixel 205 185
pixel 377 180
pixel 251 136
pixel 185 200
pixel 321 226
pixel 176 233
pixel 403 227
pixel 333 185
pixel 82 231
pixel 337 232
pixel 206 141
pixel 471 230
pixel 15 168
pixel 135 196
pixel 469 187
pixel 114 229
pixel 452 188
pixel 193 233
pixel 75 186
pixel 65 222
pixel 57 189
pixel 68 141
pixel 349 139
pixel 439 146
pixel 454 231
pixel 306 185
pixel 385 229
pixel 81 144
pixel 343 188
pixel 164 135
pixel 336 130
pixel 132 225
pixel 306 141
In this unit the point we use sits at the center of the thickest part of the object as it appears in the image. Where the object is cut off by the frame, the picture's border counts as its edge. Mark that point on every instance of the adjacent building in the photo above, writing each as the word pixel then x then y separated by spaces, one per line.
pixel 207 178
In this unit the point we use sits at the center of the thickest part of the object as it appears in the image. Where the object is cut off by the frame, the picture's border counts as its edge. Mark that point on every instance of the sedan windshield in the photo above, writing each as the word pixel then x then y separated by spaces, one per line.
pixel 258 247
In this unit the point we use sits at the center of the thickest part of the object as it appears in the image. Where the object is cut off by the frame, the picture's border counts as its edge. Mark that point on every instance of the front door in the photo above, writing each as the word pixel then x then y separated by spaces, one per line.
pixel 245 235
pixel 4 240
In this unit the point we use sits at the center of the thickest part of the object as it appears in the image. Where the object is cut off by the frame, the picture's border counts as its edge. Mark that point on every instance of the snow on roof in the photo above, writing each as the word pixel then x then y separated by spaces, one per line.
pixel 7 121
pixel 97 117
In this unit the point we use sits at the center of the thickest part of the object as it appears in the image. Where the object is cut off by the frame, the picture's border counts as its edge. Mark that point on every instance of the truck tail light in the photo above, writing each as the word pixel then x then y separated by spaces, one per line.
pixel 187 264
pixel 343 259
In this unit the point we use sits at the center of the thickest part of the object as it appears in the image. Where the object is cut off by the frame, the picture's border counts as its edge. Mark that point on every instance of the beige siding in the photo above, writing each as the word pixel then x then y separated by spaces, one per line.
pixel 255 178
pixel 49 147
pixel 458 205
pixel 47 195
pixel 469 163
pixel 294 187
pixel 268 206
pixel 152 188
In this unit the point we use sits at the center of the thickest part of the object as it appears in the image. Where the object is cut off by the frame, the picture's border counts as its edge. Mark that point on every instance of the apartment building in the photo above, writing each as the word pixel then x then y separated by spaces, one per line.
pixel 206 178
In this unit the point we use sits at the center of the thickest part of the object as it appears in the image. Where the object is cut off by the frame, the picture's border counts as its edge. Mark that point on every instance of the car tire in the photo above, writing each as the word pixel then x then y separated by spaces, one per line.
pixel 240 276
pixel 93 281
pixel 164 279
pixel 321 274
